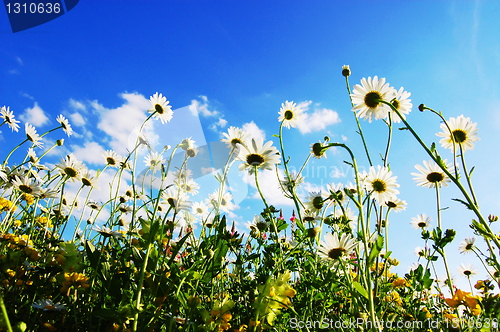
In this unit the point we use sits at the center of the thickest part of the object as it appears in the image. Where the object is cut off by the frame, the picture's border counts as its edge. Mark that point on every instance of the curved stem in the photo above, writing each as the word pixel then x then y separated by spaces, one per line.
pixel 389 140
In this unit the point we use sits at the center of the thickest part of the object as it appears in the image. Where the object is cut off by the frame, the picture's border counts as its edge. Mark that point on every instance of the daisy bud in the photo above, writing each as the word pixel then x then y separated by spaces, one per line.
pixel 60 142
pixel 421 107
pixel 492 218
pixel 346 71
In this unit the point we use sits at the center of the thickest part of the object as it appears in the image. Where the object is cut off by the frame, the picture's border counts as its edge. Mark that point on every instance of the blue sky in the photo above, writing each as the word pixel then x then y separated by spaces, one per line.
pixel 232 63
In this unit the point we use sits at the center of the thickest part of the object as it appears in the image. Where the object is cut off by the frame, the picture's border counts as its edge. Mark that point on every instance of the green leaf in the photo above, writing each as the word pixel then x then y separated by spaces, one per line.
pixel 467 205
pixel 361 290
pixel 377 247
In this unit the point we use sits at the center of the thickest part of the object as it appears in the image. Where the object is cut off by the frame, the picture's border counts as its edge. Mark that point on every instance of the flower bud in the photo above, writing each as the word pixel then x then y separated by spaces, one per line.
pixel 60 142
pixel 346 71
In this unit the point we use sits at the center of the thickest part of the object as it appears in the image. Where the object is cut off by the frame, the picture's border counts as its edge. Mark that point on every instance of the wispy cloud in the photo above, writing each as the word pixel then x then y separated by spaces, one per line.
pixel 77 105
pixel 221 123
pixel 26 95
pixel 77 119
pixel 202 107
pixel 19 61
pixel 35 116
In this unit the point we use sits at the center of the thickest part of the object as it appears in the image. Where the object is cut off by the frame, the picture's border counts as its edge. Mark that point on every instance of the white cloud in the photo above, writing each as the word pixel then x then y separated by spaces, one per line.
pixel 219 124
pixel 90 152
pixel 77 119
pixel 24 94
pixel 19 61
pixel 197 107
pixel 35 116
pixel 318 120
pixel 253 130
pixel 270 186
pixel 76 105
pixel 120 122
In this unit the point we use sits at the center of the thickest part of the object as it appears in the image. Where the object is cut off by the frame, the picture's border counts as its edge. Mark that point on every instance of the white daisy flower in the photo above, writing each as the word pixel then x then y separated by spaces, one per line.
pixel 335 247
pixel 123 208
pixel 467 270
pixel 316 201
pixel 222 202
pixel 107 232
pixel 431 175
pixel 348 214
pixel 257 224
pixel 48 193
pixel 65 125
pixel 402 103
pixel 175 199
pixel 366 98
pixel 200 209
pixel 154 160
pixel 189 186
pixel 161 109
pixel 467 246
pixel 112 158
pixel 423 252
pixel 318 150
pixel 235 137
pixel 338 190
pixel 48 305
pixel 381 184
pixel 71 167
pixel 189 146
pixel 422 221
pixel 397 204
pixel 89 178
pixel 26 185
pixel 290 114
pixel 8 118
pixel 258 155
pixel 462 131
pixel 293 181
pixel 32 135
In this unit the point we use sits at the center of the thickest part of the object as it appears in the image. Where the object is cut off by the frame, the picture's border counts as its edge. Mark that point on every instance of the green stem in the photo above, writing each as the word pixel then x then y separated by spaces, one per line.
pixel 360 131
pixel 389 140
pixel 288 178
pixel 5 315
pixel 453 178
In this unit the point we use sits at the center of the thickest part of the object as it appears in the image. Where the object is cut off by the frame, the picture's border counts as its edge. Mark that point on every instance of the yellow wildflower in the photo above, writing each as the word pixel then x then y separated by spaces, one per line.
pixel 399 282
pixel 6 205
pixel 467 299
pixel 74 279
pixel 30 199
